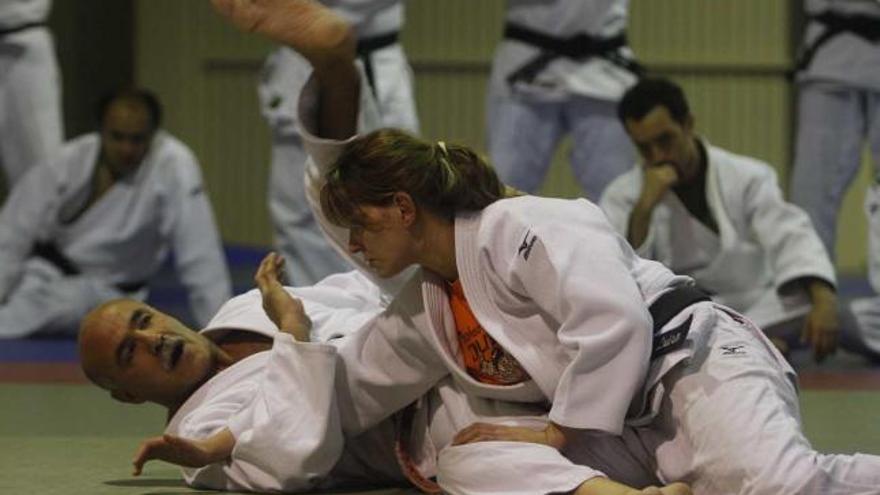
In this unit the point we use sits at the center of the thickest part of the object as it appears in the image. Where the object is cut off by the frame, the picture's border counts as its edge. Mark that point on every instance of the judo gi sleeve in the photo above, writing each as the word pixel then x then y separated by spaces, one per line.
pixel 573 265
pixel 21 220
pixel 288 438
pixel 786 233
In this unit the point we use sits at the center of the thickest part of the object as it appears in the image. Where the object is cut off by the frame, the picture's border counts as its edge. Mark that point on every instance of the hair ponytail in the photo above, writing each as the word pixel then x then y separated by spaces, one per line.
pixel 441 177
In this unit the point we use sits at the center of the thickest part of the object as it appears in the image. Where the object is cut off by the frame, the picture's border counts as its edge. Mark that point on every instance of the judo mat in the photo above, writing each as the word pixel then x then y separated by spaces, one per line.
pixel 61 435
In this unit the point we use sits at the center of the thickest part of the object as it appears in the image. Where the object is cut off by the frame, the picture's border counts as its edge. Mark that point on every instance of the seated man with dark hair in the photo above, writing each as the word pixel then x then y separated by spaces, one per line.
pixel 721 218
pixel 97 222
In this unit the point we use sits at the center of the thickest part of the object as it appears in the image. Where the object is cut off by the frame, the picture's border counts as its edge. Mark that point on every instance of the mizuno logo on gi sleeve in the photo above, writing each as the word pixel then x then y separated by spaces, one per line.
pixel 525 247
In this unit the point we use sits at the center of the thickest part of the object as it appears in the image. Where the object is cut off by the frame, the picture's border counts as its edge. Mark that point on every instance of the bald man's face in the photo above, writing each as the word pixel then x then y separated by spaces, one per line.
pixel 140 354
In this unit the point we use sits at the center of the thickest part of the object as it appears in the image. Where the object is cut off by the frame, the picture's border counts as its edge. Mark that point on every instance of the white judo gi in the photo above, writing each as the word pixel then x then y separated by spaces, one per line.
pixel 297 237
pixel 531 108
pixel 112 248
pixel 554 284
pixel 838 113
pixel 282 408
pixel 31 128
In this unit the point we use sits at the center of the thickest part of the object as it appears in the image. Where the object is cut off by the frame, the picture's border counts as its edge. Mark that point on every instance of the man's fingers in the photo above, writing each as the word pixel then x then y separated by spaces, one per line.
pixel 144 453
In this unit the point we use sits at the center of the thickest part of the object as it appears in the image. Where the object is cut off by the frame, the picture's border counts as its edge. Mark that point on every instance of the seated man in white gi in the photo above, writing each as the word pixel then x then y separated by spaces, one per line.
pixel 721 219
pixel 98 221
pixel 278 413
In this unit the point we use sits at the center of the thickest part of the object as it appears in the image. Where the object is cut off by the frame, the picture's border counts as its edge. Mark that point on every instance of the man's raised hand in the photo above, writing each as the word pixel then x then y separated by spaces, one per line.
pixel 284 310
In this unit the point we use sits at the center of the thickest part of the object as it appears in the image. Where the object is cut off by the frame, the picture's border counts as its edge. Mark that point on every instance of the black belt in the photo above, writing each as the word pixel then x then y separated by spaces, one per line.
pixel 368 45
pixel 863 26
pixel 49 252
pixel 578 47
pixel 21 27
pixel 664 309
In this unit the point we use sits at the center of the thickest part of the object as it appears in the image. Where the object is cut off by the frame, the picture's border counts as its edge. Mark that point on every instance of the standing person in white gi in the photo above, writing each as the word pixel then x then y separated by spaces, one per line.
pixel 31 128
pixel 559 70
pixel 551 306
pixel 720 218
pixel 297 236
pixel 99 220
pixel 838 110
pixel 838 115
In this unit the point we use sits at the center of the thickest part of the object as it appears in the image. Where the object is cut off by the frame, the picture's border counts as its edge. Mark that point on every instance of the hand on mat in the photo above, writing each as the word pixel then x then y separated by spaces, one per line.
pixel 486 432
pixel 821 330
pixel 183 451
pixel 822 326
pixel 308 27
pixel 284 310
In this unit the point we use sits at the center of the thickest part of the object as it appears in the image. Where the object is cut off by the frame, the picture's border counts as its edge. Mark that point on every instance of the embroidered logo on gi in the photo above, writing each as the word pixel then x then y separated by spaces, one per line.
pixel 525 248
pixel 732 350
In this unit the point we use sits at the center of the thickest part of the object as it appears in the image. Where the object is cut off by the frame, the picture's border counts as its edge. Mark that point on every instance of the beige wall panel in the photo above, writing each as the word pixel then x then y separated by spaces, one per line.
pixel 852 236
pixel 452 30
pixel 205 72
pixel 451 106
pixel 711 32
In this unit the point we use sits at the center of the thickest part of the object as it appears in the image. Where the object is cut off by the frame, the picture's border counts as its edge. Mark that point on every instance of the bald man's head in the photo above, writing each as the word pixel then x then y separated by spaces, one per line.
pixel 141 354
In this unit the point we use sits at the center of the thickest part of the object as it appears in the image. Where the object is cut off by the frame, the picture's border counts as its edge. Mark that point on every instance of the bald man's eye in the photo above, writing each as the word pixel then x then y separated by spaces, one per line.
pixel 145 321
pixel 127 352
pixel 142 320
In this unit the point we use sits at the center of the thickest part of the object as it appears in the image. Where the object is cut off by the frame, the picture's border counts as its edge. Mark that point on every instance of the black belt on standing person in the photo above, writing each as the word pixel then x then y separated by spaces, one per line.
pixel 577 47
pixel 664 309
pixel 834 23
pixel 49 252
pixel 20 28
pixel 368 45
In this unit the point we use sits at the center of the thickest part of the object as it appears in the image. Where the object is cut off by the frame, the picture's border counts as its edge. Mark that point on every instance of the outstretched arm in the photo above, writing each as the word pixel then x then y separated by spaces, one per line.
pixel 323 38
pixel 183 451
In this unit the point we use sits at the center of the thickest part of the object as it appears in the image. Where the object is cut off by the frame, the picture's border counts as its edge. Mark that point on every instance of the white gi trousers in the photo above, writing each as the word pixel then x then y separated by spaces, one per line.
pixel 834 121
pixel 524 133
pixel 31 128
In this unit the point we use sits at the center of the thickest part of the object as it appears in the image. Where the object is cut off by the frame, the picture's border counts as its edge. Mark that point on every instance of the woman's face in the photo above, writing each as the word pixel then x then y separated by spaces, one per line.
pixel 383 236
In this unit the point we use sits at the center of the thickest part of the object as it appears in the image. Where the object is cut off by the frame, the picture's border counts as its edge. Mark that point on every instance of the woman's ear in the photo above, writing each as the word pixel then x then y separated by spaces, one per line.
pixel 405 205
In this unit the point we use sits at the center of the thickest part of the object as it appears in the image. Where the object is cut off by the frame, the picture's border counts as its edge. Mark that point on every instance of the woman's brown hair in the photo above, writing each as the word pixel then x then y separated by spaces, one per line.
pixel 442 178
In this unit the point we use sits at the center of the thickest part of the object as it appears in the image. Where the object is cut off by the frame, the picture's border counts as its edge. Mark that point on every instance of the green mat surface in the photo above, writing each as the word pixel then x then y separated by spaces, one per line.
pixel 73 439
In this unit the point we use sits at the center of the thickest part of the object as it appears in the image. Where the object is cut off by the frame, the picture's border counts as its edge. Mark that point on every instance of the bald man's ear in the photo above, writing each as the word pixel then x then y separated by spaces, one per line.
pixel 124 396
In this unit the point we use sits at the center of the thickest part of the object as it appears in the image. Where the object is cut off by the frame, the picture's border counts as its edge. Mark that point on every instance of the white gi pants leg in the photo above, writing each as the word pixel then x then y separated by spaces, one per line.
pixel 831 127
pixel 601 149
pixel 394 89
pixel 522 136
pixel 31 129
pixel 307 254
pixel 47 303
pixel 730 423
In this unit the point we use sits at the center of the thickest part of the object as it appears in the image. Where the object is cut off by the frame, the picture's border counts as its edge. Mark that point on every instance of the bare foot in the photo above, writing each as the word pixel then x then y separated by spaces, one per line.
pixel 308 27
